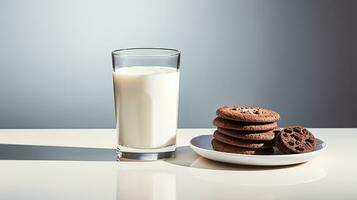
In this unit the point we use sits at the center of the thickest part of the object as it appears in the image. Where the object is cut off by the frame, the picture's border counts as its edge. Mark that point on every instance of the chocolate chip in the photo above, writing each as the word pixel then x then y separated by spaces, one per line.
pixel 297 129
pixel 309 140
pixel 297 137
pixel 299 148
pixel 288 130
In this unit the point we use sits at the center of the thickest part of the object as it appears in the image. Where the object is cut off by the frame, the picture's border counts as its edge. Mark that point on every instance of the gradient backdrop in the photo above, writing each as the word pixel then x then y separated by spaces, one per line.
pixel 296 57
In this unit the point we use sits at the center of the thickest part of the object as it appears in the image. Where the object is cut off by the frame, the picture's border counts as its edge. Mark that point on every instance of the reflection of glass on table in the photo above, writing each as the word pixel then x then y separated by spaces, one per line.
pixel 145 184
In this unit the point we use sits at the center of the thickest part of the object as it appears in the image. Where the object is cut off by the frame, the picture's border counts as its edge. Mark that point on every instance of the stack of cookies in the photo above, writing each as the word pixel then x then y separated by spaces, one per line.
pixel 245 130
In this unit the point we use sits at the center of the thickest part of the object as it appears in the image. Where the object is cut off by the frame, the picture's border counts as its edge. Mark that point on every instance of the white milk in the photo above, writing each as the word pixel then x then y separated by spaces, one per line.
pixel 146 101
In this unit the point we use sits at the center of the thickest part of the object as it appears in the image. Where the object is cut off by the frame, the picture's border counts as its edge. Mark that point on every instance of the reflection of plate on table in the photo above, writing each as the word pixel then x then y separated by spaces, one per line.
pixel 202 146
pixel 244 175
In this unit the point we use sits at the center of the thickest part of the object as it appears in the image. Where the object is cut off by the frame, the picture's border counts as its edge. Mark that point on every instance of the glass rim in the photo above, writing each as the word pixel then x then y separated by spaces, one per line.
pixel 171 52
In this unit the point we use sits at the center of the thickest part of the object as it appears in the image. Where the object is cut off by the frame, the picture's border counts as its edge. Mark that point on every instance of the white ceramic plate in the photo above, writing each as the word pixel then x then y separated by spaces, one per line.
pixel 202 146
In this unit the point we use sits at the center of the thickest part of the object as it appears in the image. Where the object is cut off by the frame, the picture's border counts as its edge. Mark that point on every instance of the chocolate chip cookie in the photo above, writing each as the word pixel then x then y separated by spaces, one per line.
pixel 248 114
pixel 243 126
pixel 248 135
pixel 295 139
pixel 242 143
pixel 219 146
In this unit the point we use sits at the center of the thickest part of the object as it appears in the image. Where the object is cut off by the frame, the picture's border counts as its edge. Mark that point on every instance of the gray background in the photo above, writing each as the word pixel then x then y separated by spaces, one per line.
pixel 296 57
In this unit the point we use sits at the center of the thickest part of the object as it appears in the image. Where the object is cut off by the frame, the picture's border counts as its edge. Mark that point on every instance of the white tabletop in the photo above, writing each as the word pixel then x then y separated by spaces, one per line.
pixel 42 164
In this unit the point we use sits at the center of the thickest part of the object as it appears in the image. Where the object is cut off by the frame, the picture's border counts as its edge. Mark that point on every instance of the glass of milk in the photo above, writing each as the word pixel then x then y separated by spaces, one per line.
pixel 146 93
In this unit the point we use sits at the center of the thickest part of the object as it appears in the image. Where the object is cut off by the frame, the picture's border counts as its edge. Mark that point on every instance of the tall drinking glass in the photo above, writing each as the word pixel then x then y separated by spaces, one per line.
pixel 146 93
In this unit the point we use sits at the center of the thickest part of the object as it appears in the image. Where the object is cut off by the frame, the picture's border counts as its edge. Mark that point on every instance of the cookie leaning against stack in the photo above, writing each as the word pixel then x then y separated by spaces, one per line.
pixel 245 130
pixel 295 139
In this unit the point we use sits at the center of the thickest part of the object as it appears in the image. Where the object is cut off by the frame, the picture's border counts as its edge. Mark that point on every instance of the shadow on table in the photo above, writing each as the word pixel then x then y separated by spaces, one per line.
pixel 188 158
pixel 32 152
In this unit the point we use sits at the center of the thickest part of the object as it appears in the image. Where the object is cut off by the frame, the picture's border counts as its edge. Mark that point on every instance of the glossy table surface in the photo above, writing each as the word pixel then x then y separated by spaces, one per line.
pixel 80 164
